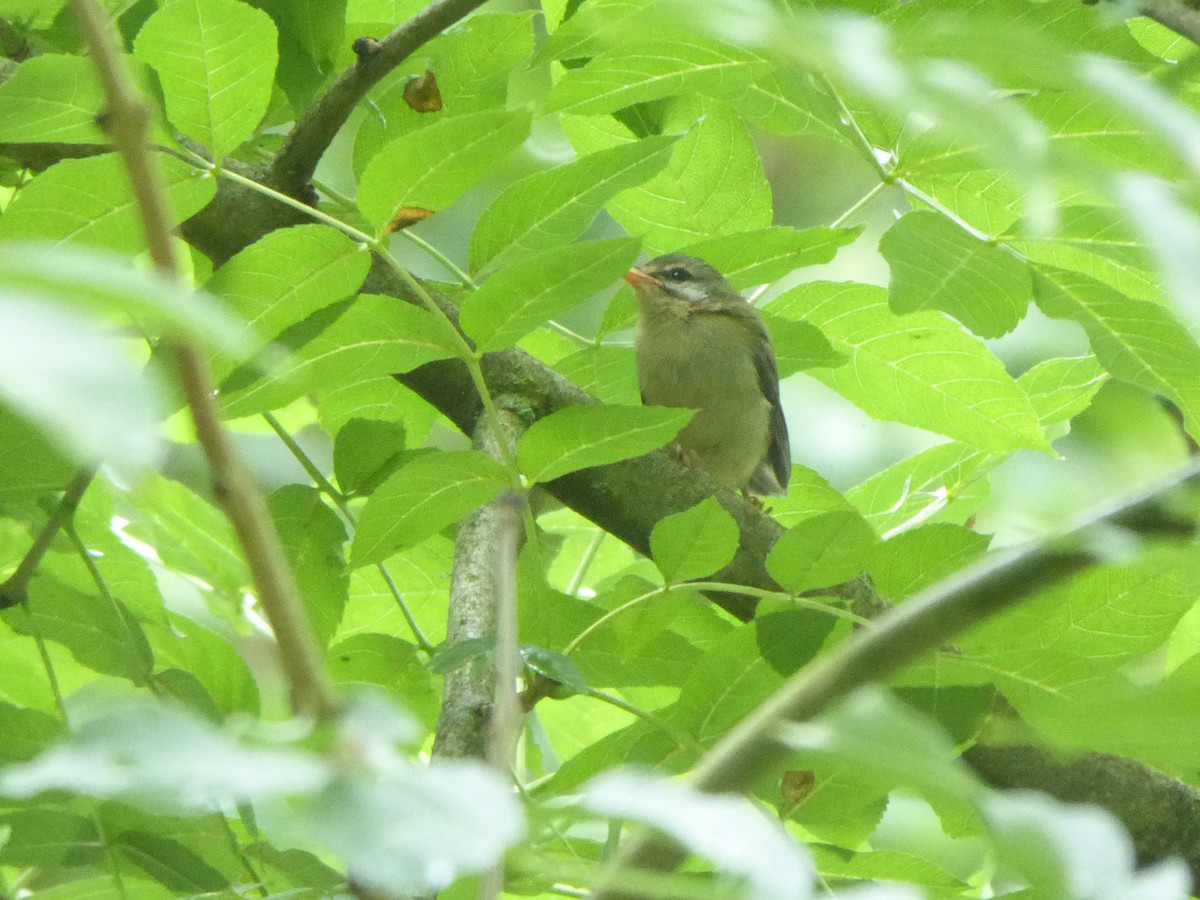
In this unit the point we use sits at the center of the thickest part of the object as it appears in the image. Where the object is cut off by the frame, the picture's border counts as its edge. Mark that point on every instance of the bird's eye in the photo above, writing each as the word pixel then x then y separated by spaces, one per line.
pixel 677 274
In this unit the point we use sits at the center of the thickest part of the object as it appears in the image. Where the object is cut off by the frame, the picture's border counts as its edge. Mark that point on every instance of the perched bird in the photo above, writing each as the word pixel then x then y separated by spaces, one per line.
pixel 701 345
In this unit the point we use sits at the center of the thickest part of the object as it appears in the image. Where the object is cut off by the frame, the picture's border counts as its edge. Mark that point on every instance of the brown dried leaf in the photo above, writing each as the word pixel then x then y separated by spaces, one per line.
pixel 422 94
pixel 796 785
pixel 406 216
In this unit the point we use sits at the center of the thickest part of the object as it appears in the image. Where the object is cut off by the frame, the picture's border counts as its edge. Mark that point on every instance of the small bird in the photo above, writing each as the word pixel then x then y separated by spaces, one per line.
pixel 700 345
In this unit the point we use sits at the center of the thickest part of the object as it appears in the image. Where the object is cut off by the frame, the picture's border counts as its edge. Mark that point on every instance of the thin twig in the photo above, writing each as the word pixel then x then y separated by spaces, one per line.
pixel 308 141
pixel 16 588
pixel 128 123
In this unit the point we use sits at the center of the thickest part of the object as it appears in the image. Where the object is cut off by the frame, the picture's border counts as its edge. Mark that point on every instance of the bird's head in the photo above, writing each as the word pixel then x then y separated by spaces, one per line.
pixel 677 279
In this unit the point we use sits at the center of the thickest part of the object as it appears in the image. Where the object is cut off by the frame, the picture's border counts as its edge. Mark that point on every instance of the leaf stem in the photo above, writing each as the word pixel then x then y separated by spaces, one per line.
pixel 719 587
pixel 585 562
pixel 879 188
pixel 682 738
pixel 860 138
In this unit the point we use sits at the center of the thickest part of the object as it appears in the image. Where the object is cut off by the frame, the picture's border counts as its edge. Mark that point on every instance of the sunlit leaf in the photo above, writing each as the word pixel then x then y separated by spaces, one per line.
pixel 216 61
pixel 937 265
pixel 528 293
pixel 822 551
pixel 555 207
pixel 580 437
pixel 920 369
pixel 51 98
pixel 694 543
pixel 434 166
pixel 422 498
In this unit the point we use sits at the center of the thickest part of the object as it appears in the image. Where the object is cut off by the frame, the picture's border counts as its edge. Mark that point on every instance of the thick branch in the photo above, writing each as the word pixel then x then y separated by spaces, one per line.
pixel 128 119
pixel 296 162
pixel 1161 814
pixel 469 691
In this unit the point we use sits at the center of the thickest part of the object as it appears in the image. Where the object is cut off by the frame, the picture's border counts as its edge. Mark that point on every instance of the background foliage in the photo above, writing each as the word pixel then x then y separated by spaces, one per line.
pixel 972 229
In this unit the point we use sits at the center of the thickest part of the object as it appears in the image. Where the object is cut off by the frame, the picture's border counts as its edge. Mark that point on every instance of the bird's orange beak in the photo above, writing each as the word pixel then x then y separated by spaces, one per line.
pixel 639 279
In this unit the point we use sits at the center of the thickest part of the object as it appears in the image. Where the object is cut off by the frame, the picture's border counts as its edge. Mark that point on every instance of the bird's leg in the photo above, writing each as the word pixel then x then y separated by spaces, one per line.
pixel 756 502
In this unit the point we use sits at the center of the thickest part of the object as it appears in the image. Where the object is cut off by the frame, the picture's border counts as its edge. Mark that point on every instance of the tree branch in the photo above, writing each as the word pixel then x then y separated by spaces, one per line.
pixel 297 160
pixel 898 638
pixel 469 692
pixel 128 121
pixel 1161 814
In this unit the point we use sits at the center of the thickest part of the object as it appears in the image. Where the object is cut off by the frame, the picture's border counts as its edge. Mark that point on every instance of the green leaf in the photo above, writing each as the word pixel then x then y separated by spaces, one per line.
pixel 725 828
pixel 106 284
pixel 694 543
pixel 289 274
pixel 208 658
pixel 651 68
pixel 558 668
pixel 377 335
pixel 1137 341
pixel 551 208
pixel 937 265
pixel 920 369
pixel 1064 849
pixel 89 201
pixel 822 551
pixel 421 499
pixel 32 464
pixel 312 537
pixel 216 61
pixel 49 838
pixel 101 635
pixel 799 346
pixel 914 559
pixel 597 25
pixel 317 26
pixel 919 757
pixel 474 63
pixel 52 99
pixel 766 255
pixel 143 751
pixel 190 534
pixel 1084 628
pixel 171 863
pixel 434 166
pixel 608 373
pixel 1060 389
pixel 421 827
pixel 391 663
pixel 580 437
pixel 528 293
pixel 946 481
pixel 29 733
pixel 365 452
pixel 714 183
pixel 78 381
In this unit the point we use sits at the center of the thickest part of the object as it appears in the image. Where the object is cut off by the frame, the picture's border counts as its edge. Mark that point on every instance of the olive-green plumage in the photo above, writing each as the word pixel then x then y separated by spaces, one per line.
pixel 701 345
